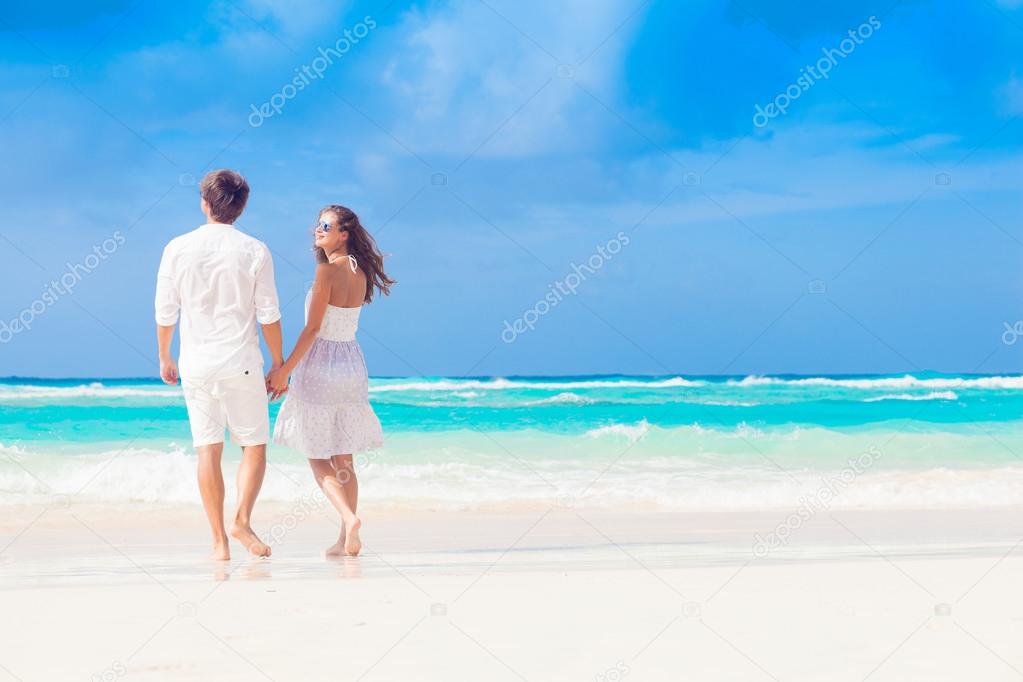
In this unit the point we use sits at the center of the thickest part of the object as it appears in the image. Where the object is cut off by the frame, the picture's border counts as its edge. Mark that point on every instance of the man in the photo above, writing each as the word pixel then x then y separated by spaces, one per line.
pixel 221 282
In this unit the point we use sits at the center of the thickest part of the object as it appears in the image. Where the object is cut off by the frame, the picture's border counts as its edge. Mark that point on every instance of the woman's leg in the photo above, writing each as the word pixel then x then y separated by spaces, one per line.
pixel 323 469
pixel 336 478
pixel 347 485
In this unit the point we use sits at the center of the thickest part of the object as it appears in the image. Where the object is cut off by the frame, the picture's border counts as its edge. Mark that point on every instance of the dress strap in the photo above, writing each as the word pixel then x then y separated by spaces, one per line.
pixel 352 263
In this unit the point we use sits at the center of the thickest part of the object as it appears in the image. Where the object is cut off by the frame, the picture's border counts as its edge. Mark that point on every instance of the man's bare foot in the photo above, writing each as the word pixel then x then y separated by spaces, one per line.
pixel 353 545
pixel 244 535
pixel 221 552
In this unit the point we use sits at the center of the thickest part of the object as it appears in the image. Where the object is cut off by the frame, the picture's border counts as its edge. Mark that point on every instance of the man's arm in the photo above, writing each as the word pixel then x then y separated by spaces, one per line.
pixel 168 306
pixel 268 312
pixel 277 381
pixel 274 342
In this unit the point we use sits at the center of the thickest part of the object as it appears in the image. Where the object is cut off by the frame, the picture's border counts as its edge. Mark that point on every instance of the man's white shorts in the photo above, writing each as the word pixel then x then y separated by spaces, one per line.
pixel 238 403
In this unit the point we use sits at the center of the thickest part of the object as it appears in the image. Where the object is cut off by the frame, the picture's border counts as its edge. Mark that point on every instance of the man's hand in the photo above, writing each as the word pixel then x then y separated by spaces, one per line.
pixel 168 371
pixel 277 383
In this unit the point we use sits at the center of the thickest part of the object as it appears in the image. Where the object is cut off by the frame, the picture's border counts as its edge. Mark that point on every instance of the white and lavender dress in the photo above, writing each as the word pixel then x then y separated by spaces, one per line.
pixel 326 411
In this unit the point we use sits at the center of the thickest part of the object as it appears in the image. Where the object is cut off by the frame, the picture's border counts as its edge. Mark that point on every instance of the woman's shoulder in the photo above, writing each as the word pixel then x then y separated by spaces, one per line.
pixel 338 272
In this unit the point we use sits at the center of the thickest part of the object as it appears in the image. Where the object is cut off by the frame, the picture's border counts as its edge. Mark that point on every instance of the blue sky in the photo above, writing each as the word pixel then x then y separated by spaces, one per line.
pixel 873 227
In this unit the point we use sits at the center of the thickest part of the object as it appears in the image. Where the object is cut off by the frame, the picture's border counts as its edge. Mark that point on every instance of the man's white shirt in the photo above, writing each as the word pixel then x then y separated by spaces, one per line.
pixel 221 283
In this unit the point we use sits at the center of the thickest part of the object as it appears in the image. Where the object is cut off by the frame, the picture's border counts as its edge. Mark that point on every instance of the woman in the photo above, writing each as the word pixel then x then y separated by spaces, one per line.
pixel 326 414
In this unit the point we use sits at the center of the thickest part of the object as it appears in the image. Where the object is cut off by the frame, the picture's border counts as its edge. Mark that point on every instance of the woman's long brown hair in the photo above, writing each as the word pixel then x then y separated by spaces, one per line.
pixel 362 246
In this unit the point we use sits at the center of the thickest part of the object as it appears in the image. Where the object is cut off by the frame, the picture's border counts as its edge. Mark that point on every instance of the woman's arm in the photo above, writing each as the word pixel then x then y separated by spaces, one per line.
pixel 278 379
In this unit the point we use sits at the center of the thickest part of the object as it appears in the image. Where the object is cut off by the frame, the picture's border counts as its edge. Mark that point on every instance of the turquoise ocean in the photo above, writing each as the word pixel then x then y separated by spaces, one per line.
pixel 672 443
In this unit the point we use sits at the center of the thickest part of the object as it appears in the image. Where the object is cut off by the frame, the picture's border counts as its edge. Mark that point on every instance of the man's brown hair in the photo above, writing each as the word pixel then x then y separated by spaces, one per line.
pixel 226 193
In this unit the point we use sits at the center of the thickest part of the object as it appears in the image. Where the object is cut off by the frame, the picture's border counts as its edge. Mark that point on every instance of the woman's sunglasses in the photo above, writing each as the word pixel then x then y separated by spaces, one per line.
pixel 324 226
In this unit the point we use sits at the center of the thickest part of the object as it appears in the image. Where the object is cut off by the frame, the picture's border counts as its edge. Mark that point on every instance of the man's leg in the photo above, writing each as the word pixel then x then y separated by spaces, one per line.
pixel 206 419
pixel 211 487
pixel 250 480
pixel 245 403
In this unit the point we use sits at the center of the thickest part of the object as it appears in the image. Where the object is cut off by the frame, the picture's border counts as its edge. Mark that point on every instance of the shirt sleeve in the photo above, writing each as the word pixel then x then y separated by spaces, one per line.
pixel 168 298
pixel 267 308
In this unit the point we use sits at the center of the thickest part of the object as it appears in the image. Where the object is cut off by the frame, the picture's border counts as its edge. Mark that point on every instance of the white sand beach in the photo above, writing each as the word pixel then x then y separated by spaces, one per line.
pixel 104 592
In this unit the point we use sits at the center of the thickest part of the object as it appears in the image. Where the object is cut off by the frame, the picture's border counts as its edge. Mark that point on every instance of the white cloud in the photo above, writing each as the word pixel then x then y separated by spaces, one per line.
pixel 800 169
pixel 458 73
pixel 293 19
pixel 1012 93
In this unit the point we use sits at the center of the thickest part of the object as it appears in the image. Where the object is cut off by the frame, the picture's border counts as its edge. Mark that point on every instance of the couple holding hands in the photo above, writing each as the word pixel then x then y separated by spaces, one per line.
pixel 219 282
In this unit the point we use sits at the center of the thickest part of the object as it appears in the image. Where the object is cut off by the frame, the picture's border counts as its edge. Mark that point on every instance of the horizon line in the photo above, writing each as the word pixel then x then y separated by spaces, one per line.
pixel 681 375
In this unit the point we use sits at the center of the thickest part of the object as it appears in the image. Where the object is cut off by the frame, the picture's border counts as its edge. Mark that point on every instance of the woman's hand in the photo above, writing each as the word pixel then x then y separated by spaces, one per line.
pixel 277 383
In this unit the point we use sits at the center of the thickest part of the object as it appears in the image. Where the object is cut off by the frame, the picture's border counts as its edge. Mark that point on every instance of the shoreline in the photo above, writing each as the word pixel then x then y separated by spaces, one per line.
pixel 80 542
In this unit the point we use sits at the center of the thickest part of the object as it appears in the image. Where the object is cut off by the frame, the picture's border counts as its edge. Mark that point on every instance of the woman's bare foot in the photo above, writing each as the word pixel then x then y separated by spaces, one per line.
pixel 221 551
pixel 353 545
pixel 244 535
pixel 338 548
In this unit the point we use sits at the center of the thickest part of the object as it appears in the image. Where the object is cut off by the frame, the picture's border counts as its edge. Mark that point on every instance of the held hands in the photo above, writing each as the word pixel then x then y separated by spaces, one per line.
pixel 169 371
pixel 277 382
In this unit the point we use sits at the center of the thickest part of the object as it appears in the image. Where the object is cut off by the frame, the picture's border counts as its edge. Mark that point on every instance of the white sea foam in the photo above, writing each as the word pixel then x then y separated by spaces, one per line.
pixel 129 474
pixel 631 432
pixel 506 384
pixel 907 381
pixel 934 395
pixel 155 476
pixel 562 399
pixel 93 390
